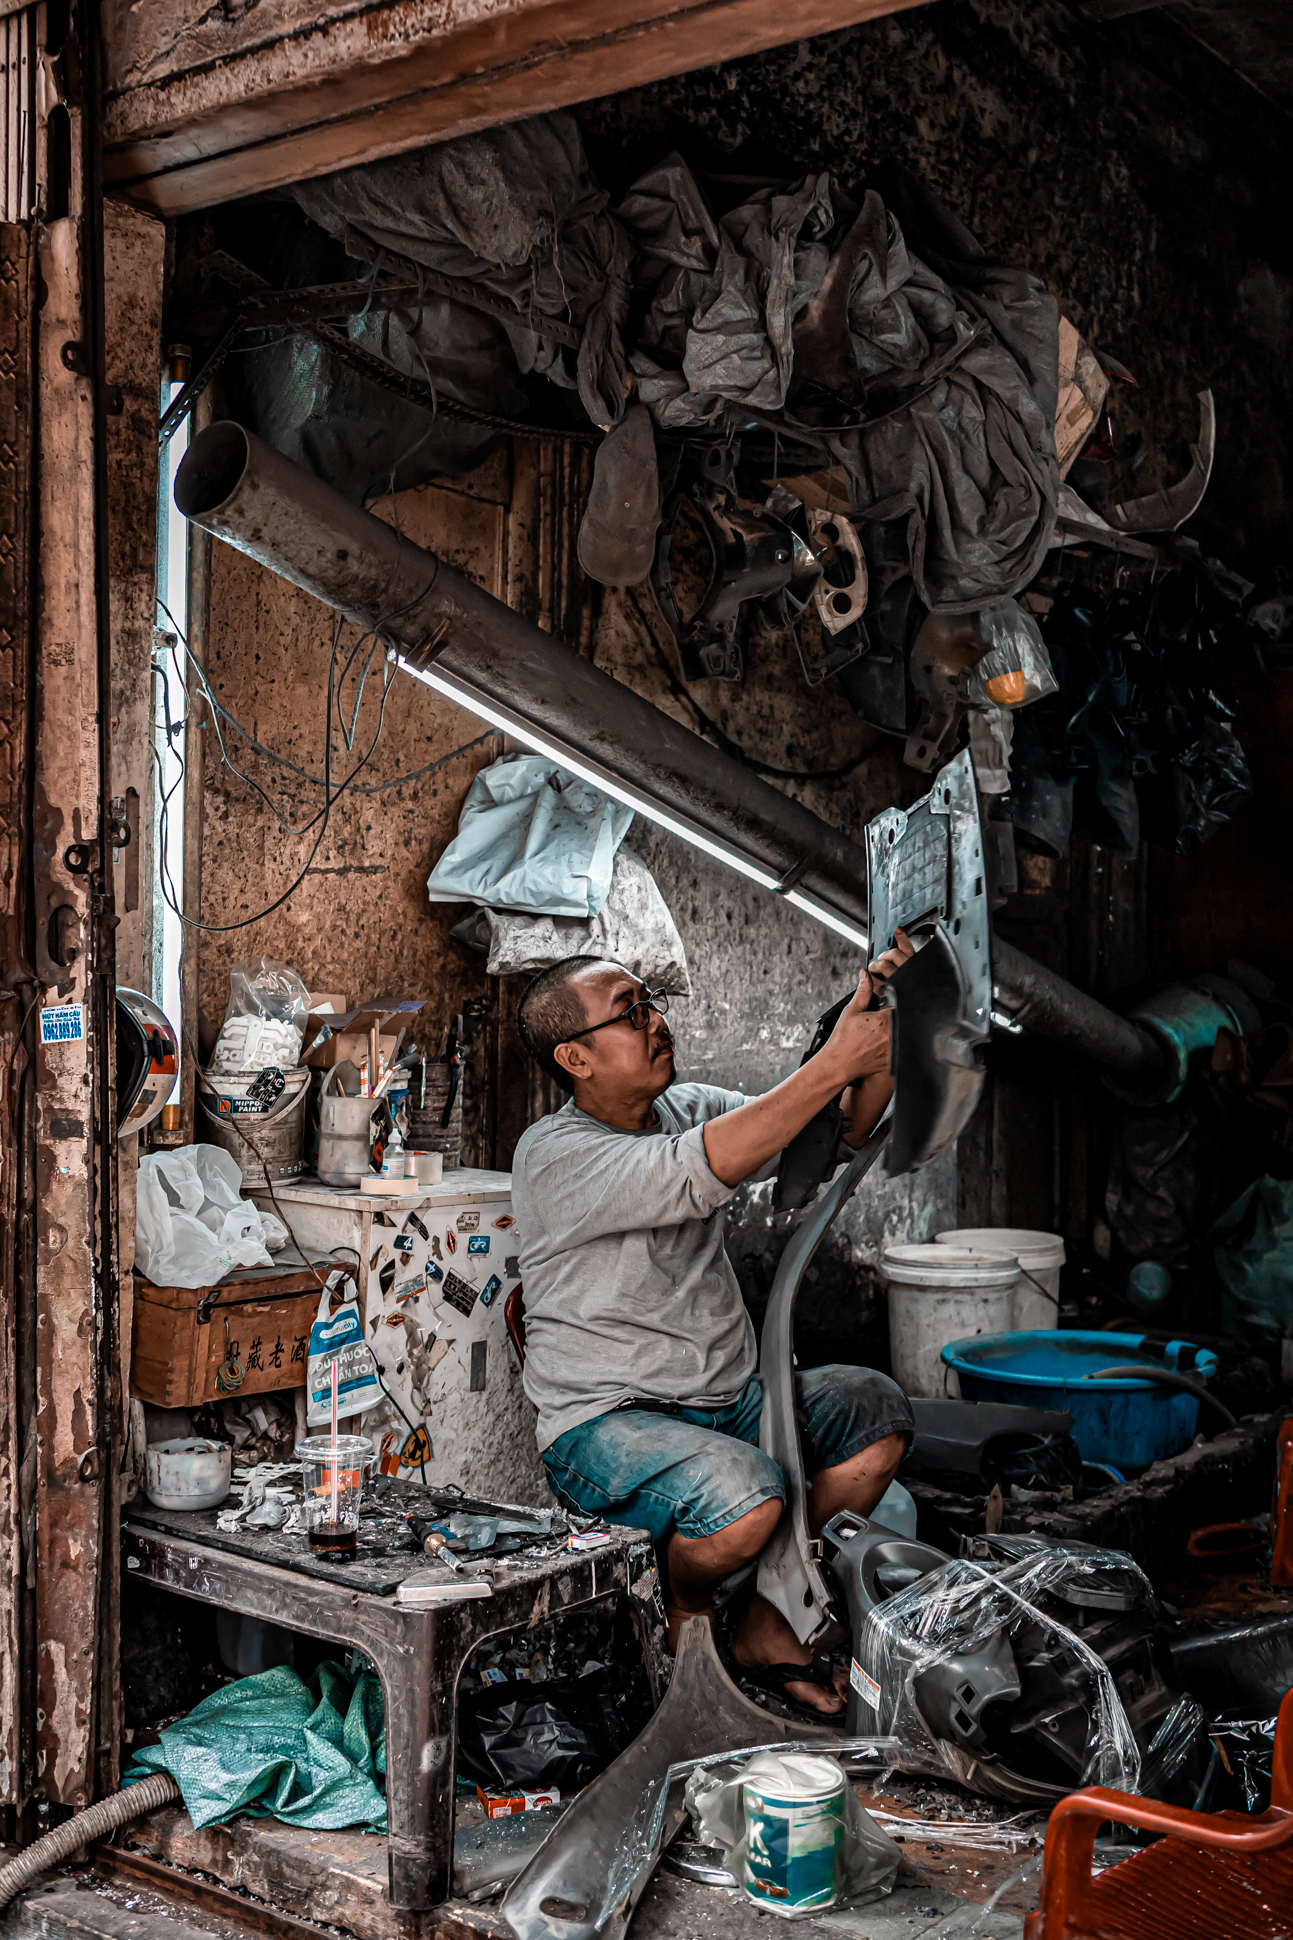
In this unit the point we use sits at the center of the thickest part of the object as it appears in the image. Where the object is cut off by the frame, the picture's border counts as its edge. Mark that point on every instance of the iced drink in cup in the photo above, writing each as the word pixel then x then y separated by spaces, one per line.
pixel 334 1474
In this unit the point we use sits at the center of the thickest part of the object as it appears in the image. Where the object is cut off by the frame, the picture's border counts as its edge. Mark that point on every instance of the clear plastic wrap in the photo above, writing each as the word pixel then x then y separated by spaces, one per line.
pixel 1016 668
pixel 868 1859
pixel 268 1006
pixel 964 1617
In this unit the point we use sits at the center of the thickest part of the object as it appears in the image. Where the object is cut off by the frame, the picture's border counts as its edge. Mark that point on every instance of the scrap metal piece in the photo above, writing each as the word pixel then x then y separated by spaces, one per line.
pixel 840 603
pixel 752 557
pixel 1164 511
pixel 587 1876
pixel 925 875
pixel 790 1575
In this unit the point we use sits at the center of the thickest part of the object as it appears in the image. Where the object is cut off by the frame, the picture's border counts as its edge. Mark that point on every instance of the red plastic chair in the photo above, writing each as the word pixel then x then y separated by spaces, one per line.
pixel 1213 1876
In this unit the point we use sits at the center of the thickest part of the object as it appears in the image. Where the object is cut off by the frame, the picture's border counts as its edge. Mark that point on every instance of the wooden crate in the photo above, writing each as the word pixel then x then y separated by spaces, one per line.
pixel 183 1334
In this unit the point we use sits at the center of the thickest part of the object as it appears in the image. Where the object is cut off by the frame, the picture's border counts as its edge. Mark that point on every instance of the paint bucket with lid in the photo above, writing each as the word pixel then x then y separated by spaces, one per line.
pixel 940 1293
pixel 794 1831
pixel 262 1130
pixel 1040 1256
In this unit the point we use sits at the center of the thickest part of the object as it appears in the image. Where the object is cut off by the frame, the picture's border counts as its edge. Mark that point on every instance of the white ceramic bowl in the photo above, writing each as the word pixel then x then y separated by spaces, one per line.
pixel 187 1474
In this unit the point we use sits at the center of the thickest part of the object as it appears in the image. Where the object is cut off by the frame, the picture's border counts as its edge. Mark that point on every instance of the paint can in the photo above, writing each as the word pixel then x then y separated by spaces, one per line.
pixel 794 1830
pixel 937 1294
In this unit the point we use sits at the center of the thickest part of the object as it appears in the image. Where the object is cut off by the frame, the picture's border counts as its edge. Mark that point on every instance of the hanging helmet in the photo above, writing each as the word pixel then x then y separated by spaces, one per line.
pixel 148 1060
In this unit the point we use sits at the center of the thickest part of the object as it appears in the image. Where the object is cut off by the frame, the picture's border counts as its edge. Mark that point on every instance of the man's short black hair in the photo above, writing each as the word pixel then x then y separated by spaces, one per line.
pixel 550 1012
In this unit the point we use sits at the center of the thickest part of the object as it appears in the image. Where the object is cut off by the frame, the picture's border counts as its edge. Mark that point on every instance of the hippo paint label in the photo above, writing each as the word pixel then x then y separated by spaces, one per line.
pixel 792 1849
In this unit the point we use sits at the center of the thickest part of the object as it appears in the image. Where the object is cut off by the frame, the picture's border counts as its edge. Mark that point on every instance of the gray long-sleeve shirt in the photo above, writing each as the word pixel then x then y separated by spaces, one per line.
pixel 628 1291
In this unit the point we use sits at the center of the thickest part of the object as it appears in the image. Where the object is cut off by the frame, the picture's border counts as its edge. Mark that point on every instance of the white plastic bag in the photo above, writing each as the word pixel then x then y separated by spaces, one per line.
pixel 268 1006
pixel 191 1224
pixel 532 836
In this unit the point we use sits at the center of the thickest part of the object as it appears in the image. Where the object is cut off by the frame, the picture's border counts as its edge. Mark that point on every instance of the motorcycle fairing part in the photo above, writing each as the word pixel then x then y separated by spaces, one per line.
pixel 790 1575
pixel 926 875
pixel 810 1155
pixel 591 1870
pixel 148 1060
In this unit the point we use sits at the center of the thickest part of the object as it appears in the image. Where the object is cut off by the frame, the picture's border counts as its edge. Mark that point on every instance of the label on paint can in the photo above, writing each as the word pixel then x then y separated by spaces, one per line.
pixel 865 1686
pixel 794 1826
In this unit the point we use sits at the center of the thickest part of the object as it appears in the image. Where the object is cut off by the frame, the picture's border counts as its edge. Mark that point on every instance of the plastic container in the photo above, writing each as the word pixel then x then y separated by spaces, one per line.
pixel 794 1827
pixel 187 1474
pixel 334 1528
pixel 1125 1424
pixel 941 1293
pixel 1040 1257
pixel 259 1138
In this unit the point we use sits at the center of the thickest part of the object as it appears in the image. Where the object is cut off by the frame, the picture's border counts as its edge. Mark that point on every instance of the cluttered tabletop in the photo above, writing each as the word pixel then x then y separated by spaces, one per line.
pixel 262 1520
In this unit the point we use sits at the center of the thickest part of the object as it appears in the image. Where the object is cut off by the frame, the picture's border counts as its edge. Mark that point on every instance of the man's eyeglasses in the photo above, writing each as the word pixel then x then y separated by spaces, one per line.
pixel 638 1015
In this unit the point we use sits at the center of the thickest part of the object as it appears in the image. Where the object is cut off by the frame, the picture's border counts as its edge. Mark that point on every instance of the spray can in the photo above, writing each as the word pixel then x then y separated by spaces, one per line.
pixel 1282 1509
pixel 794 1826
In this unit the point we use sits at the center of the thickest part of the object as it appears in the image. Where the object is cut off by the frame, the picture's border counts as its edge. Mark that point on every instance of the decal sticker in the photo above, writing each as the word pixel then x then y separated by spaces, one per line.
pixel 491 1289
pixel 459 1294
pixel 478 1243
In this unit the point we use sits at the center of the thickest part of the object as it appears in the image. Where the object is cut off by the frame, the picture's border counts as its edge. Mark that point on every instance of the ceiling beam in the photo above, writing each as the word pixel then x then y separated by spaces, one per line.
pixel 204 107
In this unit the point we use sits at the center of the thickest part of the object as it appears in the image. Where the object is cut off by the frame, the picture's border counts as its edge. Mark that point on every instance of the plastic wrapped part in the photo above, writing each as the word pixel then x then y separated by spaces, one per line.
pixel 1234 1667
pixel 1251 1251
pixel 532 837
pixel 191 1224
pixel 633 927
pixel 866 1859
pixel 517 211
pixel 1248 1746
pixel 1015 1673
pixel 560 1734
pixel 1173 1746
pixel 263 1025
pixel 307 1753
pixel 1016 669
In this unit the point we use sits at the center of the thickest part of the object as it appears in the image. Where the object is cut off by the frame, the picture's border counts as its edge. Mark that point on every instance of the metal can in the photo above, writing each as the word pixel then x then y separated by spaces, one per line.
pixel 794 1825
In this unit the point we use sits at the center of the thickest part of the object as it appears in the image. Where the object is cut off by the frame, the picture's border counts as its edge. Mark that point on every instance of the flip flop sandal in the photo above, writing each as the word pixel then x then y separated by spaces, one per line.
pixel 775 1677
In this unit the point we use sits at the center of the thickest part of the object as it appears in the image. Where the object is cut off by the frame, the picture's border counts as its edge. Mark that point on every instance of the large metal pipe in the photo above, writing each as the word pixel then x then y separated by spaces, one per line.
pixel 233 485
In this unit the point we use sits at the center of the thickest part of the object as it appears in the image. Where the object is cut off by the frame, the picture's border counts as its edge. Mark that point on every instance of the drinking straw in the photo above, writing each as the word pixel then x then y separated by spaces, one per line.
pixel 335 1458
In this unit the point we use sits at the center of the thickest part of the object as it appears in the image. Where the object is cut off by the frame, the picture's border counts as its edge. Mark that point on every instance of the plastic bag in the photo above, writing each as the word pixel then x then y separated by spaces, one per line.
pixel 867 1860
pixel 1016 669
pixel 532 836
pixel 634 927
pixel 558 1734
pixel 339 1337
pixel 268 1006
pixel 192 1225
pixel 272 1745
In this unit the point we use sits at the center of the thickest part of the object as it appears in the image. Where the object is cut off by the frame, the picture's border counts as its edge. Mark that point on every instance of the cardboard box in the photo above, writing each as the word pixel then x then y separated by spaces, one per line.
pixel 501 1805
pixel 350 1030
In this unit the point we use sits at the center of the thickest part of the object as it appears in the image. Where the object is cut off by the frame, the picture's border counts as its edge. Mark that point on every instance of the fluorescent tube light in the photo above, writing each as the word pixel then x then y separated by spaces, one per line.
pixel 510 722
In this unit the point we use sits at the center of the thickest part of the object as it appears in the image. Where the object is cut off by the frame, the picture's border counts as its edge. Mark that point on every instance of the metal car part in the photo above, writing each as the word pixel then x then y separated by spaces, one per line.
pixel 926 874
pixel 241 490
pixel 790 1573
pixel 1165 510
pixel 752 557
pixel 582 1884
pixel 839 603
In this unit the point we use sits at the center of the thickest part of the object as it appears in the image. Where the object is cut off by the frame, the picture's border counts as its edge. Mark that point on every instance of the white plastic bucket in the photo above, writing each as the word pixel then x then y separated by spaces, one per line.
pixel 1040 1256
pixel 937 1294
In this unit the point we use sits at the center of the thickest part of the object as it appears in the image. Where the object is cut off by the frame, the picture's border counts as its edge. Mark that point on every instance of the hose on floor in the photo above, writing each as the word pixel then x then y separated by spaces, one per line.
pixel 1169 1378
pixel 94 1823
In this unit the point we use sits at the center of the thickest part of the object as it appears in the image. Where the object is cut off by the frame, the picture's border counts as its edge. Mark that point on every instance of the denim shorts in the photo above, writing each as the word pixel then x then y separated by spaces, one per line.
pixel 697 1471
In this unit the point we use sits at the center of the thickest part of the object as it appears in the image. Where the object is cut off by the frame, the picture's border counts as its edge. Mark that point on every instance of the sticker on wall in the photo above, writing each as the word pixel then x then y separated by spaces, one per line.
pixel 417 1226
pixel 435 1246
pixel 417 1449
pixel 512 1266
pixel 491 1288
pixel 388 1461
pixel 403 1244
pixel 478 1243
pixel 451 1240
pixel 62 1024
pixel 434 1272
pixel 408 1290
pixel 468 1222
pixel 386 1277
pixel 504 1223
pixel 458 1293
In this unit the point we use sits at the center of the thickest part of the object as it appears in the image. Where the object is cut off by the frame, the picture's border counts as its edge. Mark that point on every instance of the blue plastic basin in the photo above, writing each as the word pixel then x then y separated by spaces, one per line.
pixel 1126 1424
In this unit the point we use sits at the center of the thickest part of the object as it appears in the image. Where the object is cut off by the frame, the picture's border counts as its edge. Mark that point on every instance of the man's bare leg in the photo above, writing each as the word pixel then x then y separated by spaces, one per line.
pixel 696 1565
pixel 764 1636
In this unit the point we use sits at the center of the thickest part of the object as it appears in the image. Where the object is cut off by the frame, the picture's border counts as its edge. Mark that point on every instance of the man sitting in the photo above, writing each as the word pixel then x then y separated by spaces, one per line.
pixel 640 1356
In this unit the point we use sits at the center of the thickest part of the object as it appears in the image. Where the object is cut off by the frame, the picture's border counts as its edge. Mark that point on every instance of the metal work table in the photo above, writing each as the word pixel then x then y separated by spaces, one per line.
pixel 418 1654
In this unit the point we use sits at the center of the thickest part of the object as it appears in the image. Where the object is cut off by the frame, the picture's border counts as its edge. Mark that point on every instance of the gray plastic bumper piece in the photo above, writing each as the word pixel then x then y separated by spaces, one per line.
pixel 790 1577
pixel 588 1875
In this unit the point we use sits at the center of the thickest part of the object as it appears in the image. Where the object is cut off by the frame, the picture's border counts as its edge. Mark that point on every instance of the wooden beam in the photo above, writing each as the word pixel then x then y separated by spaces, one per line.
pixel 207 107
